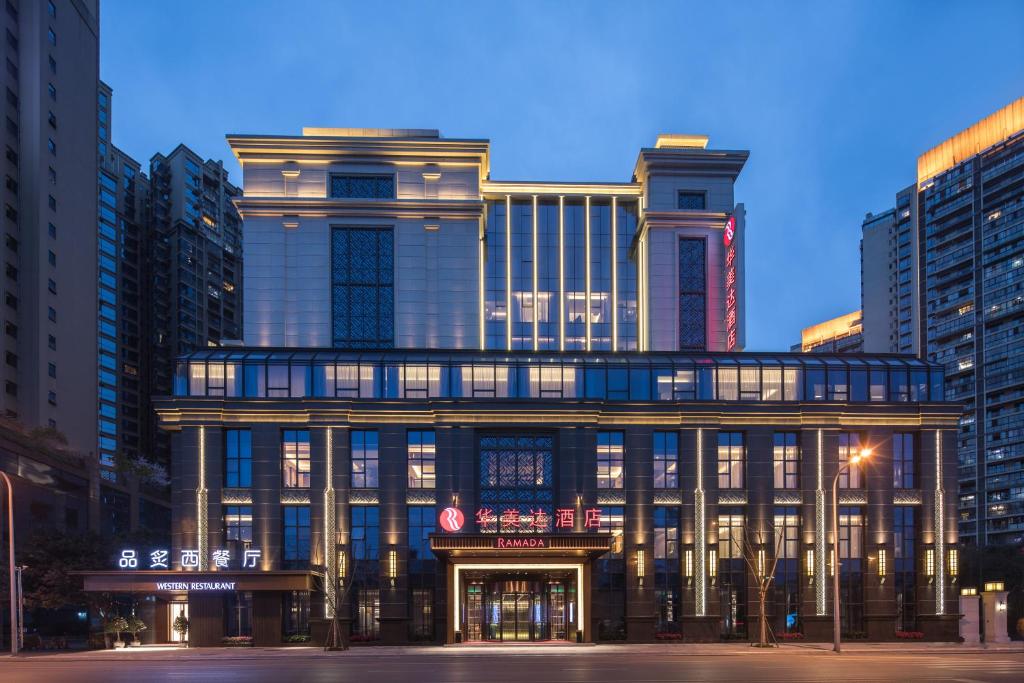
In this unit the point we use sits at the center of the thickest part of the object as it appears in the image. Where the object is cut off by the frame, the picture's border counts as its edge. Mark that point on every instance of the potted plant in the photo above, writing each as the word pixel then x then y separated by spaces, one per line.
pixel 180 627
pixel 135 627
pixel 115 627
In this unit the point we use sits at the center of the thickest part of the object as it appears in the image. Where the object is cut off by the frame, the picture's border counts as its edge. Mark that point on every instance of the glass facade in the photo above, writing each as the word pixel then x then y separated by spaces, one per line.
pixel 666 460
pixel 295 536
pixel 237 458
pixel 608 377
pixel 544 258
pixel 365 459
pixel 421 459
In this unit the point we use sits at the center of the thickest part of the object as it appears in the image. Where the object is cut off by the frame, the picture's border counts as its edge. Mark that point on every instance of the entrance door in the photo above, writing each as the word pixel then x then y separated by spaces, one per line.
pixel 175 610
pixel 515 616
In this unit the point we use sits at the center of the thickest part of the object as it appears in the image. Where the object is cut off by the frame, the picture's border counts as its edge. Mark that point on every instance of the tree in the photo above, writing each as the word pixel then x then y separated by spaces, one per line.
pixel 135 627
pixel 755 552
pixel 49 558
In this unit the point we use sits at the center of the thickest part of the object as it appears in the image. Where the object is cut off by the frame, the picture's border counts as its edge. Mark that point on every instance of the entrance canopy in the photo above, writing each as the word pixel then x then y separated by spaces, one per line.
pixel 578 547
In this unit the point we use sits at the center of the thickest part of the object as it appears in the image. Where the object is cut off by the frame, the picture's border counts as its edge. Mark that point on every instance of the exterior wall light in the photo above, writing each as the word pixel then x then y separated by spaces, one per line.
pixel 641 564
pixel 760 563
pixel 342 566
pixel 968 591
pixel 832 562
pixel 809 563
pixel 883 564
pixel 713 564
pixel 954 563
pixel 929 564
pixel 392 566
pixel 688 563
pixel 994 586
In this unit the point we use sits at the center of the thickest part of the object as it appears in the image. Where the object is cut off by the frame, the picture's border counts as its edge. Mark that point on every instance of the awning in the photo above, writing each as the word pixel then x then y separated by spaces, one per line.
pixel 156 581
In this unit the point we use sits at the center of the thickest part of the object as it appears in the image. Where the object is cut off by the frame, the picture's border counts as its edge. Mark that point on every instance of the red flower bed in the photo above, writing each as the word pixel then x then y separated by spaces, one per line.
pixel 665 635
pixel 909 635
pixel 792 636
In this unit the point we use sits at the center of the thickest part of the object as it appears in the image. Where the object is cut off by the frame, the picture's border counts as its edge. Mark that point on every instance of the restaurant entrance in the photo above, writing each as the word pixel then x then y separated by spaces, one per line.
pixel 517 607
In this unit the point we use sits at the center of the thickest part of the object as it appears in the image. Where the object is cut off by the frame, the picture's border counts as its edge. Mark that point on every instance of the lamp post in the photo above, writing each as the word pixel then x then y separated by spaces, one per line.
pixel 854 460
pixel 10 562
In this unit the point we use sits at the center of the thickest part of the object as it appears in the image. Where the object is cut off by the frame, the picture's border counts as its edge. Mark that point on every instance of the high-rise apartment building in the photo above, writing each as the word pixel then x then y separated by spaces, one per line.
pixel 50 171
pixel 955 295
pixel 195 248
pixel 843 334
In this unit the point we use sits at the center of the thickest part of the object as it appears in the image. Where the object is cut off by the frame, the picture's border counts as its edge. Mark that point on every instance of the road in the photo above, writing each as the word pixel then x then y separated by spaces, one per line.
pixel 606 664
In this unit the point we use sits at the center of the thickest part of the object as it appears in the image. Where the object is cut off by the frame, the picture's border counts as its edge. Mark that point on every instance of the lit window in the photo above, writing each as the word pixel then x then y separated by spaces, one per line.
pixel 421 454
pixel 364 459
pixel 295 463
pixel 610 470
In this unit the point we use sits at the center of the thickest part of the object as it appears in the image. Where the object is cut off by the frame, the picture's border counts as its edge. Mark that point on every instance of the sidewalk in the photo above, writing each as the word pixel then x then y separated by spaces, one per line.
pixel 177 653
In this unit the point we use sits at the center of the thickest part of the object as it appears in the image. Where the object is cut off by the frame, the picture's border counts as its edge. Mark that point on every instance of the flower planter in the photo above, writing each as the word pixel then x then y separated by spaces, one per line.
pixel 118 644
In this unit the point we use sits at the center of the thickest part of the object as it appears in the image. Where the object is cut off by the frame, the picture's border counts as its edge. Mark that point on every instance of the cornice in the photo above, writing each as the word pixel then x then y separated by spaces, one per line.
pixel 321 207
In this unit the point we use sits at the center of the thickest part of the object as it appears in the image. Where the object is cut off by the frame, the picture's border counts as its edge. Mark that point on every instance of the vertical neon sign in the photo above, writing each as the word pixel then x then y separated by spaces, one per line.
pixel 728 236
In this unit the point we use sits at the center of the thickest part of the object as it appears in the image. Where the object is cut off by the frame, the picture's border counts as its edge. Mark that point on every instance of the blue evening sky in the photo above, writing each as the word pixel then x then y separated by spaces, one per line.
pixel 834 100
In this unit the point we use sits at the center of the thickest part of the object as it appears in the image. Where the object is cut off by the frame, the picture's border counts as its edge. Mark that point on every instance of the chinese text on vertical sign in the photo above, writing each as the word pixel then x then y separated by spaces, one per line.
pixel 728 236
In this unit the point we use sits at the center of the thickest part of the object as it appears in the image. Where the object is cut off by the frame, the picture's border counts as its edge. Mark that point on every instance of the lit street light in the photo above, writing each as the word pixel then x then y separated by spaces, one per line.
pixel 864 454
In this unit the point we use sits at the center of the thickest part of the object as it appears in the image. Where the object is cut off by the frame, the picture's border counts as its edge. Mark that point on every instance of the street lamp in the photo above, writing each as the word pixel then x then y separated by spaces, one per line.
pixel 863 454
pixel 10 565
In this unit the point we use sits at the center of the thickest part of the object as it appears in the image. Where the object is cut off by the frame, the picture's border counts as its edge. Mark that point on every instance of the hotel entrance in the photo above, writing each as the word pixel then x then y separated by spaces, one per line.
pixel 519 609
pixel 518 589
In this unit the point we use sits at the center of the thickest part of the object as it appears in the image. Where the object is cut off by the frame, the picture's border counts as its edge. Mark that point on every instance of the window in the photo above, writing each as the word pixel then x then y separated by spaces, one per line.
pixel 52 230
pixel 422 626
pixel 51 313
pixel 51 398
pixel 295 610
pixel 516 473
pixel 666 460
pixel 787 570
pixel 849 444
pixel 421 453
pixel 666 568
pixel 851 534
pixel 51 145
pixel 362 274
pixel 365 531
pixel 295 458
pixel 903 471
pixel 51 370
pixel 51 201
pixel 51 118
pixel 730 534
pixel 51 342
pixel 609 460
pixel 53 65
pixel 51 36
pixel 237 458
pixel 904 541
pixel 51 285
pixel 238 523
pixel 692 291
pixel 692 200
pixel 52 90
pixel 50 256
pixel 363 186
pixel 364 459
pixel 367 616
pixel 786 461
pixel 295 536
pixel 51 9
pixel 730 460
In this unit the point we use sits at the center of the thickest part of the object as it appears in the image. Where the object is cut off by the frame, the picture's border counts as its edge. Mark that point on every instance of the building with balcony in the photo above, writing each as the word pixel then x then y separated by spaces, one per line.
pixel 838 335
pixel 954 261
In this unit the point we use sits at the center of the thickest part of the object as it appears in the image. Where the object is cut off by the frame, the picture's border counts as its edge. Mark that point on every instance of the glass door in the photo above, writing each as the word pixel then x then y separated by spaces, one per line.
pixel 556 611
pixel 175 610
pixel 474 612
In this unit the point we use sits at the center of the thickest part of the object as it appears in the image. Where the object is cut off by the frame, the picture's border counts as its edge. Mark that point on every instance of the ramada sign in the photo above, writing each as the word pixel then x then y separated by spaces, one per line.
pixel 525 542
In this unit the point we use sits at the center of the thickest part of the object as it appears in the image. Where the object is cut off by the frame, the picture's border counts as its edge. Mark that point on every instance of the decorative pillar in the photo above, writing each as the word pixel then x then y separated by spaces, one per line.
pixel 940 530
pixel 700 543
pixel 820 546
pixel 330 530
pixel 202 513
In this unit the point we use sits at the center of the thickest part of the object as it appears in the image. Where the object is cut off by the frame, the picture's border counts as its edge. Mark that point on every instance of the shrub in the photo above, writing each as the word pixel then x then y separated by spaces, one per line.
pixel 298 638
pixel 236 641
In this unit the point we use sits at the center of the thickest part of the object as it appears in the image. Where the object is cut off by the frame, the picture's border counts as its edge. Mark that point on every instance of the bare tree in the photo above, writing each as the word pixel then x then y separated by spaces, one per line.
pixel 762 566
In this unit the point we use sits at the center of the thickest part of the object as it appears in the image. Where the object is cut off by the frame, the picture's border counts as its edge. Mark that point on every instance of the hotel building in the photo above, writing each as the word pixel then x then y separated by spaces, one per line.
pixel 954 258
pixel 480 410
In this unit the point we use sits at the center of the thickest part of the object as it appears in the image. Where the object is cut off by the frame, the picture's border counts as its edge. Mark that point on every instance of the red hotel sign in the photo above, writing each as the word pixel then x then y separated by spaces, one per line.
pixel 514 520
pixel 728 236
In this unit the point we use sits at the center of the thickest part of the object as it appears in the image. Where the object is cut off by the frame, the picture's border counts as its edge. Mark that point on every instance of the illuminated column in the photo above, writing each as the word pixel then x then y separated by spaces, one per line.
pixel 940 530
pixel 615 277
pixel 536 304
pixel 586 257
pixel 700 543
pixel 561 273
pixel 508 272
pixel 330 530
pixel 481 272
pixel 820 547
pixel 202 513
